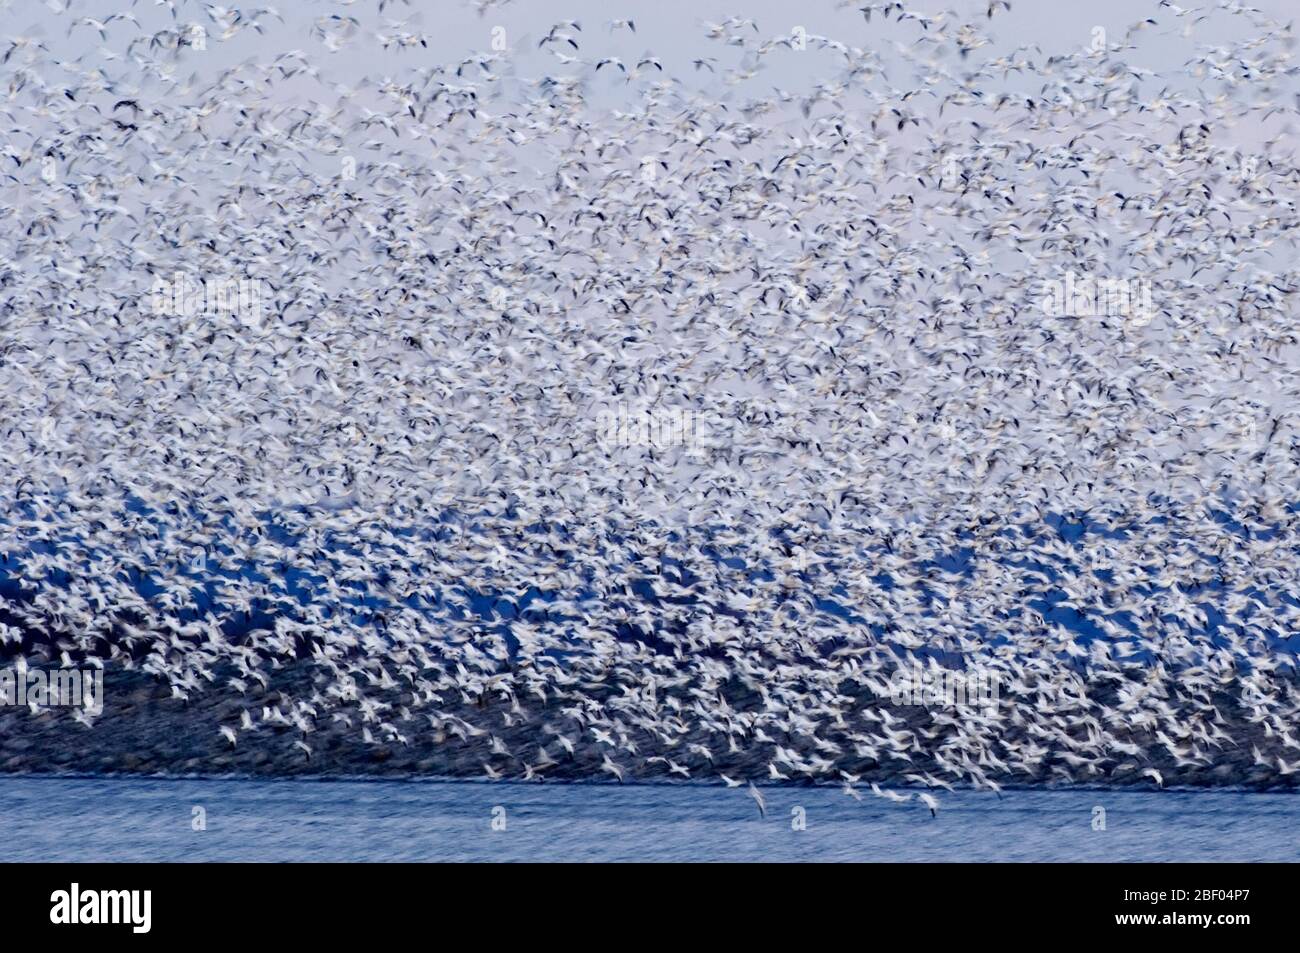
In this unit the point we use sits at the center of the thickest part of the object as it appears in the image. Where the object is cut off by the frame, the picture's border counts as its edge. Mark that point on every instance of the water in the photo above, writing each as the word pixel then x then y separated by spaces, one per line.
pixel 150 820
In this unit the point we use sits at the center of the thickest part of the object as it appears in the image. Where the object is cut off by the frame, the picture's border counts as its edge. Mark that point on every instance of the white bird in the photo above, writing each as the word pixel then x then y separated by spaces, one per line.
pixel 889 795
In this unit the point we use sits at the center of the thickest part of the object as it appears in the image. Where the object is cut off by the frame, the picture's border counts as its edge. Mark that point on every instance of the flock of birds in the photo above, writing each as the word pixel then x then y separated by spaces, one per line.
pixel 393 478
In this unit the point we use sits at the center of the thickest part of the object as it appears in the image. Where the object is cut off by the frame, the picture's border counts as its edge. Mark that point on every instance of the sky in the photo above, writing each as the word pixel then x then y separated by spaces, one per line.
pixel 672 29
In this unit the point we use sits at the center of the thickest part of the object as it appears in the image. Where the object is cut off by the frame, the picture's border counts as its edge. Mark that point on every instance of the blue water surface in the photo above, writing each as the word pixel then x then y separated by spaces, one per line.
pixel 66 819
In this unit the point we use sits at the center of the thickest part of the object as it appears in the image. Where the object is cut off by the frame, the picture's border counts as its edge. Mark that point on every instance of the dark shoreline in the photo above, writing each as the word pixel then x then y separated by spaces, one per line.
pixel 639 782
pixel 145 732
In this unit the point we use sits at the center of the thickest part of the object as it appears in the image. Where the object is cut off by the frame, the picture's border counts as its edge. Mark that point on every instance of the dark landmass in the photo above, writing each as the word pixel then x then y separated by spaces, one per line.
pixel 144 730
